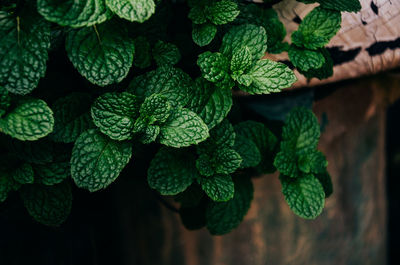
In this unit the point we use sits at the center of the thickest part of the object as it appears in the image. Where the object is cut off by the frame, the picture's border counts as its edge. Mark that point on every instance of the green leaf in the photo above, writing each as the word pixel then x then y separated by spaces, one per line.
pixel 74 13
pixel 48 205
pixel 167 81
pixel 149 134
pixel 211 103
pixel 275 29
pixel 5 101
pixel 342 5
pixel 252 36
pixel 248 151
pixel 222 136
pixel 268 76
pixel 171 171
pixel 205 166
pixel 305 196
pixel 301 131
pixel 214 67
pixel 339 5
pixel 156 108
pixel 24 44
pixel 305 59
pixel 326 182
pixel 325 71
pixel 71 117
pixel 132 10
pixel 142 53
pixel 183 128
pixel 203 34
pixel 166 53
pixel 30 120
pixel 227 161
pixel 103 54
pixel 241 61
pixel 265 141
pixel 286 163
pixel 52 173
pixel 197 15
pixel 24 174
pixel 222 217
pixel 97 160
pixel 219 188
pixel 115 113
pixel 222 12
pixel 312 162
pixel 7 184
pixel 317 28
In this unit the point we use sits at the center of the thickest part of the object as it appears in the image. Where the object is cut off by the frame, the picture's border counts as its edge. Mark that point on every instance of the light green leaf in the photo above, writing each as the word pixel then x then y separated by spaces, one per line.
pixel 71 117
pixel 156 108
pixel 48 205
pixel 167 81
pixel 227 161
pixel 203 34
pixel 325 71
pixel 222 217
pixel 252 36
pixel 183 128
pixel 222 12
pixel 24 174
pixel 115 113
pixel 241 61
pixel 214 67
pixel 312 162
pixel 74 13
pixel 171 171
pixel 317 28
pixel 211 103
pixel 24 44
pixel 132 10
pixel 248 151
pixel 301 131
pixel 269 76
pixel 286 163
pixel 166 53
pixel 305 196
pixel 103 54
pixel 97 160
pixel 30 120
pixel 219 188
pixel 305 59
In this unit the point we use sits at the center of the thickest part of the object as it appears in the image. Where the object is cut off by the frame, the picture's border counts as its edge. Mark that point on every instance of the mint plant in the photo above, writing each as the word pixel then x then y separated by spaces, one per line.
pixel 143 81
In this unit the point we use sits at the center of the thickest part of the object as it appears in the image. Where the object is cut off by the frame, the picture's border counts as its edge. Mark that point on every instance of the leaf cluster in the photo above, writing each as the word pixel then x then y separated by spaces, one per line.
pixel 141 78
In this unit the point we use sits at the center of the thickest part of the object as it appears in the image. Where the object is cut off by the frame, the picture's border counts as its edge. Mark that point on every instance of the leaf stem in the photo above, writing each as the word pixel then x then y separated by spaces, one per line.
pixel 97 34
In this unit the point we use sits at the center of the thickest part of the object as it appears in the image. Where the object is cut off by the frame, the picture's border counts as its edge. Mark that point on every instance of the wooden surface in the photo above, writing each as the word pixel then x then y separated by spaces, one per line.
pixel 368 42
pixel 351 230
